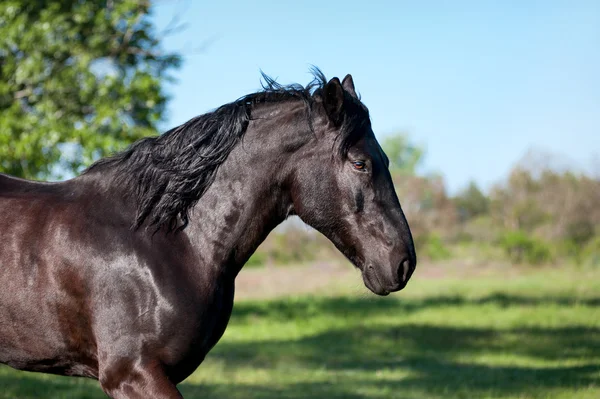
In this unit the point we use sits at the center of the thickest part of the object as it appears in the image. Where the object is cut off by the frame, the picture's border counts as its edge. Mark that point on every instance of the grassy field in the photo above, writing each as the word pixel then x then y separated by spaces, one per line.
pixel 499 334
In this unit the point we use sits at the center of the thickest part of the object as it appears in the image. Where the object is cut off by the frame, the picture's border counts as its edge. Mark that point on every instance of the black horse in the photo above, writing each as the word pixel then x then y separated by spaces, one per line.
pixel 126 273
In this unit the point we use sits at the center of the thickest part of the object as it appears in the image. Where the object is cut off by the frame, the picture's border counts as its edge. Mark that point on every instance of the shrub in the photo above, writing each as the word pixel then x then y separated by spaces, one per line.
pixel 293 246
pixel 258 259
pixel 590 254
pixel 523 248
pixel 431 246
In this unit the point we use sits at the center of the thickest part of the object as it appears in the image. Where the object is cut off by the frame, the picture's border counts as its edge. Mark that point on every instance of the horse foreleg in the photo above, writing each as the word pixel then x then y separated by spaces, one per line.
pixel 128 380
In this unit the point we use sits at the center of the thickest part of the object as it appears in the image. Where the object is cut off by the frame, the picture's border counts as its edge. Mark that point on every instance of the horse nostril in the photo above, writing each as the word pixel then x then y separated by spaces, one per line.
pixel 404 271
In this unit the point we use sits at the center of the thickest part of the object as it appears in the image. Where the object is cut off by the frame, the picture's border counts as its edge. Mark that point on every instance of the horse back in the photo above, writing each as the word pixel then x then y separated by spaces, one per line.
pixel 10 185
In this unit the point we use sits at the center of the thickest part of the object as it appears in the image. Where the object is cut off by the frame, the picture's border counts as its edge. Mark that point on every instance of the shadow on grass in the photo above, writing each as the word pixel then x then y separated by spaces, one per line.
pixel 24 385
pixel 434 355
pixel 371 348
pixel 304 307
pixel 433 379
pixel 436 360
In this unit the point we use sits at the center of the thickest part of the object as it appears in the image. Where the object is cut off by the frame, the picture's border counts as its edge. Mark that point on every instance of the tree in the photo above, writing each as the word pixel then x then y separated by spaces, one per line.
pixel 78 80
pixel 471 202
pixel 552 204
pixel 404 156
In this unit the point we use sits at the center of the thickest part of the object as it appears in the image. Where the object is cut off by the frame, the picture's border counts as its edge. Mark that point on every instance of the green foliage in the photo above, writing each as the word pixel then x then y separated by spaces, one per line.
pixel 583 254
pixel 404 156
pixel 292 247
pixel 258 259
pixel 472 202
pixel 521 247
pixel 78 80
pixel 480 229
pixel 556 205
pixel 430 246
pixel 580 231
pixel 590 254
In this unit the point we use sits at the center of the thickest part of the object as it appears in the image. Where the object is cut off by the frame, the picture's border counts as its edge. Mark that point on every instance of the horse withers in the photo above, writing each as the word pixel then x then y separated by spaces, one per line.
pixel 126 273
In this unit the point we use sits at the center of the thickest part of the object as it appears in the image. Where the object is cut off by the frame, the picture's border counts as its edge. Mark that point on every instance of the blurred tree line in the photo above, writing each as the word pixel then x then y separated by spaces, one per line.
pixel 536 215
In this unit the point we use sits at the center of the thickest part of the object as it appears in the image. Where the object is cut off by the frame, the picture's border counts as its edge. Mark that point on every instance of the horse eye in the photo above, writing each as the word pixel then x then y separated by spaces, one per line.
pixel 360 165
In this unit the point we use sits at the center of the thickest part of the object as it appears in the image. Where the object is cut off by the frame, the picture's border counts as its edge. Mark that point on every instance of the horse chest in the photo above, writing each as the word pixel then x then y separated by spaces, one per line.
pixel 211 322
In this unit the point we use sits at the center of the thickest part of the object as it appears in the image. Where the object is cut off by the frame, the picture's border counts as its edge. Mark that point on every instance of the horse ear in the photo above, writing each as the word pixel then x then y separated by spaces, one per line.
pixel 348 85
pixel 333 100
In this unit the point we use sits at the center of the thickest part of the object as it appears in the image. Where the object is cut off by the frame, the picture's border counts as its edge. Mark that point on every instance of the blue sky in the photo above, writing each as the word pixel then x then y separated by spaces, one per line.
pixel 477 83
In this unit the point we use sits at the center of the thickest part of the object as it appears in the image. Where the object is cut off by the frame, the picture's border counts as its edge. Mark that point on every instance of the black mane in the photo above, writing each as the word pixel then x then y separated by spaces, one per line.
pixel 169 173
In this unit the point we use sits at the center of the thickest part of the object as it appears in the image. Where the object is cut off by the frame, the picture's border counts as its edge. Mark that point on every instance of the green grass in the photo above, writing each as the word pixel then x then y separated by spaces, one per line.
pixel 533 335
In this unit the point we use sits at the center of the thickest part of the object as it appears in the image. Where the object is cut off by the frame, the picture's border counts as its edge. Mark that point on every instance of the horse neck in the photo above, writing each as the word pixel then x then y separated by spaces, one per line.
pixel 249 196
